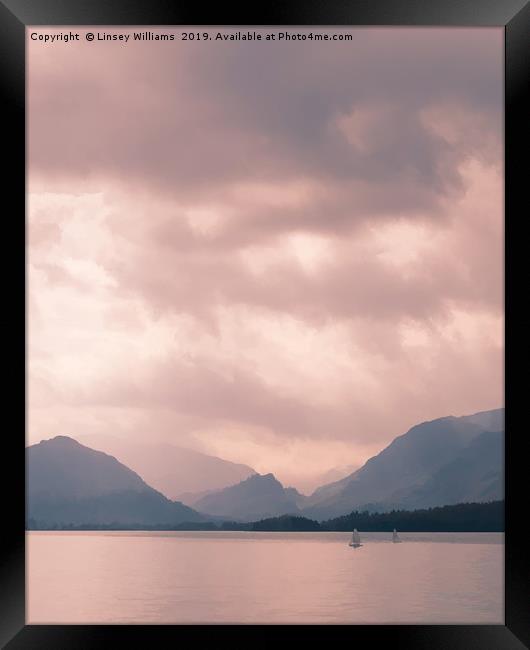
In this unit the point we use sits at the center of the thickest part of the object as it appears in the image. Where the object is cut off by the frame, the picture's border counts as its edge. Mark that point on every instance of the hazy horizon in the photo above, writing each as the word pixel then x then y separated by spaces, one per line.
pixel 136 456
pixel 281 255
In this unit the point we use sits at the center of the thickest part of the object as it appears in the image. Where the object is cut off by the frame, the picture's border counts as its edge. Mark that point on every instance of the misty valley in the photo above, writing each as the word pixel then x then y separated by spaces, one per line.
pixel 429 471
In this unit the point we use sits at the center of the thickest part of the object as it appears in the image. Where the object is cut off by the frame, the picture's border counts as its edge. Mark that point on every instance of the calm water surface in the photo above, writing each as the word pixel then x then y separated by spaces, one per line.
pixel 243 577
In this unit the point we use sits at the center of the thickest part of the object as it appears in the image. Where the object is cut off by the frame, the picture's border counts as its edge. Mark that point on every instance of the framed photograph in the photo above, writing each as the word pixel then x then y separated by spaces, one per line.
pixel 269 257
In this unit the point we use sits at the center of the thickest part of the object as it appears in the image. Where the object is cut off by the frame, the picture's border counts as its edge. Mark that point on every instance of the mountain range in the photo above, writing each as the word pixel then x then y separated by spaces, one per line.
pixel 445 461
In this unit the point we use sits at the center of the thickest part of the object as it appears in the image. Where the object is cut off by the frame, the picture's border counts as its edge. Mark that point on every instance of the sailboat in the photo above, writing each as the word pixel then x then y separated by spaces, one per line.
pixel 395 537
pixel 355 539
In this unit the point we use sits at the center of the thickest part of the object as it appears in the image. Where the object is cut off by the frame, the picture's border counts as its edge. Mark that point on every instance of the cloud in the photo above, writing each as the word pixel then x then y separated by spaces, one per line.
pixel 259 248
pixel 201 120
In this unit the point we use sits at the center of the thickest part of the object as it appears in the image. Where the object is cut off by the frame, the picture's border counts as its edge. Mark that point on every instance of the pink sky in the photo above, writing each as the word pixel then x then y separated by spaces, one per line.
pixel 282 254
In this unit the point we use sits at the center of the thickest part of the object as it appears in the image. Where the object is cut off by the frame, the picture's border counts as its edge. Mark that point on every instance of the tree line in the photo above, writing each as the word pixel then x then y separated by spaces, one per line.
pixel 462 517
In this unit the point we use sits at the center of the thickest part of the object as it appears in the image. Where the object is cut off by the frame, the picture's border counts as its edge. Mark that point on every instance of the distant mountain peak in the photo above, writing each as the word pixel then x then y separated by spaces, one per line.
pixel 69 483
pixel 258 496
pixel 262 477
pixel 61 440
pixel 173 470
pixel 255 479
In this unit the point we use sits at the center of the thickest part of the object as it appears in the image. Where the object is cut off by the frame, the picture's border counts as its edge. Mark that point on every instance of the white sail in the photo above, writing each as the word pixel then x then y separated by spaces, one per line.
pixel 395 537
pixel 355 538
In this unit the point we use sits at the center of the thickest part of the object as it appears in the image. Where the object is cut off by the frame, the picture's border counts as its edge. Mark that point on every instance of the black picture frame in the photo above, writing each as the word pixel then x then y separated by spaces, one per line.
pixel 514 15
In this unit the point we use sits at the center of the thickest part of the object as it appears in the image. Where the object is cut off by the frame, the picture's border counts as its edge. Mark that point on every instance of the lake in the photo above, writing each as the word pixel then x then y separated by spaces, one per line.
pixel 245 577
